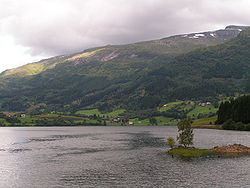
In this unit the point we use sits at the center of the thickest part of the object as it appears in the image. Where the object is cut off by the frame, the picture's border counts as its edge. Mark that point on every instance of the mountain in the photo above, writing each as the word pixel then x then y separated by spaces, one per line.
pixel 134 76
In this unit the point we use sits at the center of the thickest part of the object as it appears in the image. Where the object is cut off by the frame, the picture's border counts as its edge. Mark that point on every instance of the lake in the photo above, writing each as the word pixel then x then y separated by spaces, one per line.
pixel 115 157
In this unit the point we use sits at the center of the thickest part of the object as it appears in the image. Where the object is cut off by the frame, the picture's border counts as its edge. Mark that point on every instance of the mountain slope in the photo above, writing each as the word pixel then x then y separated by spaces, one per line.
pixel 128 76
pixel 170 46
pixel 218 70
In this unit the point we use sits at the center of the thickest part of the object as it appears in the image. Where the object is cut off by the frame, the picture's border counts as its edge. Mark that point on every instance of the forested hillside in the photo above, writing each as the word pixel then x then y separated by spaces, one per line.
pixel 235 114
pixel 136 76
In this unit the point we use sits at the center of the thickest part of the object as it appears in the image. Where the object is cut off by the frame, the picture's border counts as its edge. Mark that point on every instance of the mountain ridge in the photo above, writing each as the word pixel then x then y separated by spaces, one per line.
pixel 216 37
pixel 136 76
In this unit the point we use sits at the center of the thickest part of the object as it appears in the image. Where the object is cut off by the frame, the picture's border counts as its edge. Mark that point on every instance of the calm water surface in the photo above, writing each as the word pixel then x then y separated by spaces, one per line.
pixel 115 157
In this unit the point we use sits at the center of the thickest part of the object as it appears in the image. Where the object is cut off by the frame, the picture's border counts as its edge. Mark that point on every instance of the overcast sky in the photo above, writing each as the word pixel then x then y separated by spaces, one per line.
pixel 35 29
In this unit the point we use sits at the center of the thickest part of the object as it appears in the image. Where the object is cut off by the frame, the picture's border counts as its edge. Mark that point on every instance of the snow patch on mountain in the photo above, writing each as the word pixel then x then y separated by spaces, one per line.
pixel 212 34
pixel 196 36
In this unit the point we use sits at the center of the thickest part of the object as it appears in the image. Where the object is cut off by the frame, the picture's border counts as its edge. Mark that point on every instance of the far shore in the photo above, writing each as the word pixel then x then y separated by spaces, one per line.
pixel 207 127
pixel 97 125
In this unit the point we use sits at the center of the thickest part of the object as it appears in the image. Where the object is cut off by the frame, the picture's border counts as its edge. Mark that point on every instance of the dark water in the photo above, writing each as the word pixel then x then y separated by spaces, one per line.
pixel 115 157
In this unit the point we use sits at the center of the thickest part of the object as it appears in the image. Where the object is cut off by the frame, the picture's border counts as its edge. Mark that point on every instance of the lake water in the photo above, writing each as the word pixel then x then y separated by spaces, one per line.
pixel 115 157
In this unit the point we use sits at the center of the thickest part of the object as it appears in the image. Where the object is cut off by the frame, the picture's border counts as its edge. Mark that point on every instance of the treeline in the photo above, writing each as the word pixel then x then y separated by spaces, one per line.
pixel 235 114
pixel 61 122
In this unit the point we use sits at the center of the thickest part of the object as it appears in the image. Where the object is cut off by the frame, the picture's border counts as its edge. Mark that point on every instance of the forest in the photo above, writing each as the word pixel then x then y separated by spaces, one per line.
pixel 134 83
pixel 235 113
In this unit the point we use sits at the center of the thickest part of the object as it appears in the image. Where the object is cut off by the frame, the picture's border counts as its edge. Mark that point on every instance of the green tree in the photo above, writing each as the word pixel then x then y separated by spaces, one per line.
pixel 237 110
pixel 104 123
pixel 185 130
pixel 170 142
pixel 153 121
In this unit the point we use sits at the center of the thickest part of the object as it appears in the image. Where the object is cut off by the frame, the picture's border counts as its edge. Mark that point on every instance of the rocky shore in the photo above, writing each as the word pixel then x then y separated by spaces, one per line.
pixel 235 148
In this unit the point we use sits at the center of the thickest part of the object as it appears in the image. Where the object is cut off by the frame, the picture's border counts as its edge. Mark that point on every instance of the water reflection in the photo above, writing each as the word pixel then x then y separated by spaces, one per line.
pixel 143 139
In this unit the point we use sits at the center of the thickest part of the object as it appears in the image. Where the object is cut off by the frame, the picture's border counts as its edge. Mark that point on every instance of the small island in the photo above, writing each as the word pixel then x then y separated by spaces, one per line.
pixel 227 151
pixel 185 139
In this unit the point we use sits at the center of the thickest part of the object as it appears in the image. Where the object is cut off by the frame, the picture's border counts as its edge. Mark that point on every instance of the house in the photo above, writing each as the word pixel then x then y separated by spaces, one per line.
pixel 205 104
pixel 22 115
pixel 115 120
pixel 131 123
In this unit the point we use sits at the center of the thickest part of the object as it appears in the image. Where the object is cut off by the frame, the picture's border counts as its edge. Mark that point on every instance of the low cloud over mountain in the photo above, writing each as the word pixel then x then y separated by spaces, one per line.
pixel 64 26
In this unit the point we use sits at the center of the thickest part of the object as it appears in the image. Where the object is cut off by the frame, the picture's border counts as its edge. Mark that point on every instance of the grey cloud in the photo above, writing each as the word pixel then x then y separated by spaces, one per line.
pixel 53 27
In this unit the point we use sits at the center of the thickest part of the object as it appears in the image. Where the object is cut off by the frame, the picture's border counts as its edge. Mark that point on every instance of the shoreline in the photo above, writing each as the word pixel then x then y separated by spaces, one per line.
pixel 218 127
pixel 234 150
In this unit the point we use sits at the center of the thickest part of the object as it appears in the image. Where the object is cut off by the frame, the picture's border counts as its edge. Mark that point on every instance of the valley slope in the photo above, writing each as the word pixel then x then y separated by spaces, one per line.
pixel 136 76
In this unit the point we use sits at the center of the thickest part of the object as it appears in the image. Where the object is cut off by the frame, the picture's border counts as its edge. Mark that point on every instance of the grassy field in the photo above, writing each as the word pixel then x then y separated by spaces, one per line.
pixel 191 152
pixel 89 112
pixel 92 112
pixel 187 107
pixel 145 122
pixel 54 115
pixel 2 121
pixel 202 110
pixel 170 105
pixel 163 120
pixel 205 121
pixel 27 119
pixel 137 122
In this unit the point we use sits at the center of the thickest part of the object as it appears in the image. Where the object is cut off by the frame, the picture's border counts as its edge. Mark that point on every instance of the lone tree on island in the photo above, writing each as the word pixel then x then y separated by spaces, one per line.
pixel 185 130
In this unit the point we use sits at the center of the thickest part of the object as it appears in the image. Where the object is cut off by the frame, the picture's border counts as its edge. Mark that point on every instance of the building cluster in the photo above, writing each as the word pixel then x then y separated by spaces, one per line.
pixel 205 104
pixel 14 114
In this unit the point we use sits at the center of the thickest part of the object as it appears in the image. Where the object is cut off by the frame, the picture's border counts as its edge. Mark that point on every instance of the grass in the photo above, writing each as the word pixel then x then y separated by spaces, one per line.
pixel 202 110
pixel 191 152
pixel 32 68
pixel 1 119
pixel 137 122
pixel 54 115
pixel 92 112
pixel 187 107
pixel 115 113
pixel 170 105
pixel 205 121
pixel 161 120
pixel 26 70
pixel 27 119
pixel 84 55
pixel 89 112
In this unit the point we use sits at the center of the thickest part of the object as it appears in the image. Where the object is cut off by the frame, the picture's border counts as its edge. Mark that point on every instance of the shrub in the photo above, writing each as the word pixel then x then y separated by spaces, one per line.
pixel 247 127
pixel 170 142
pixel 240 126
pixel 229 125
